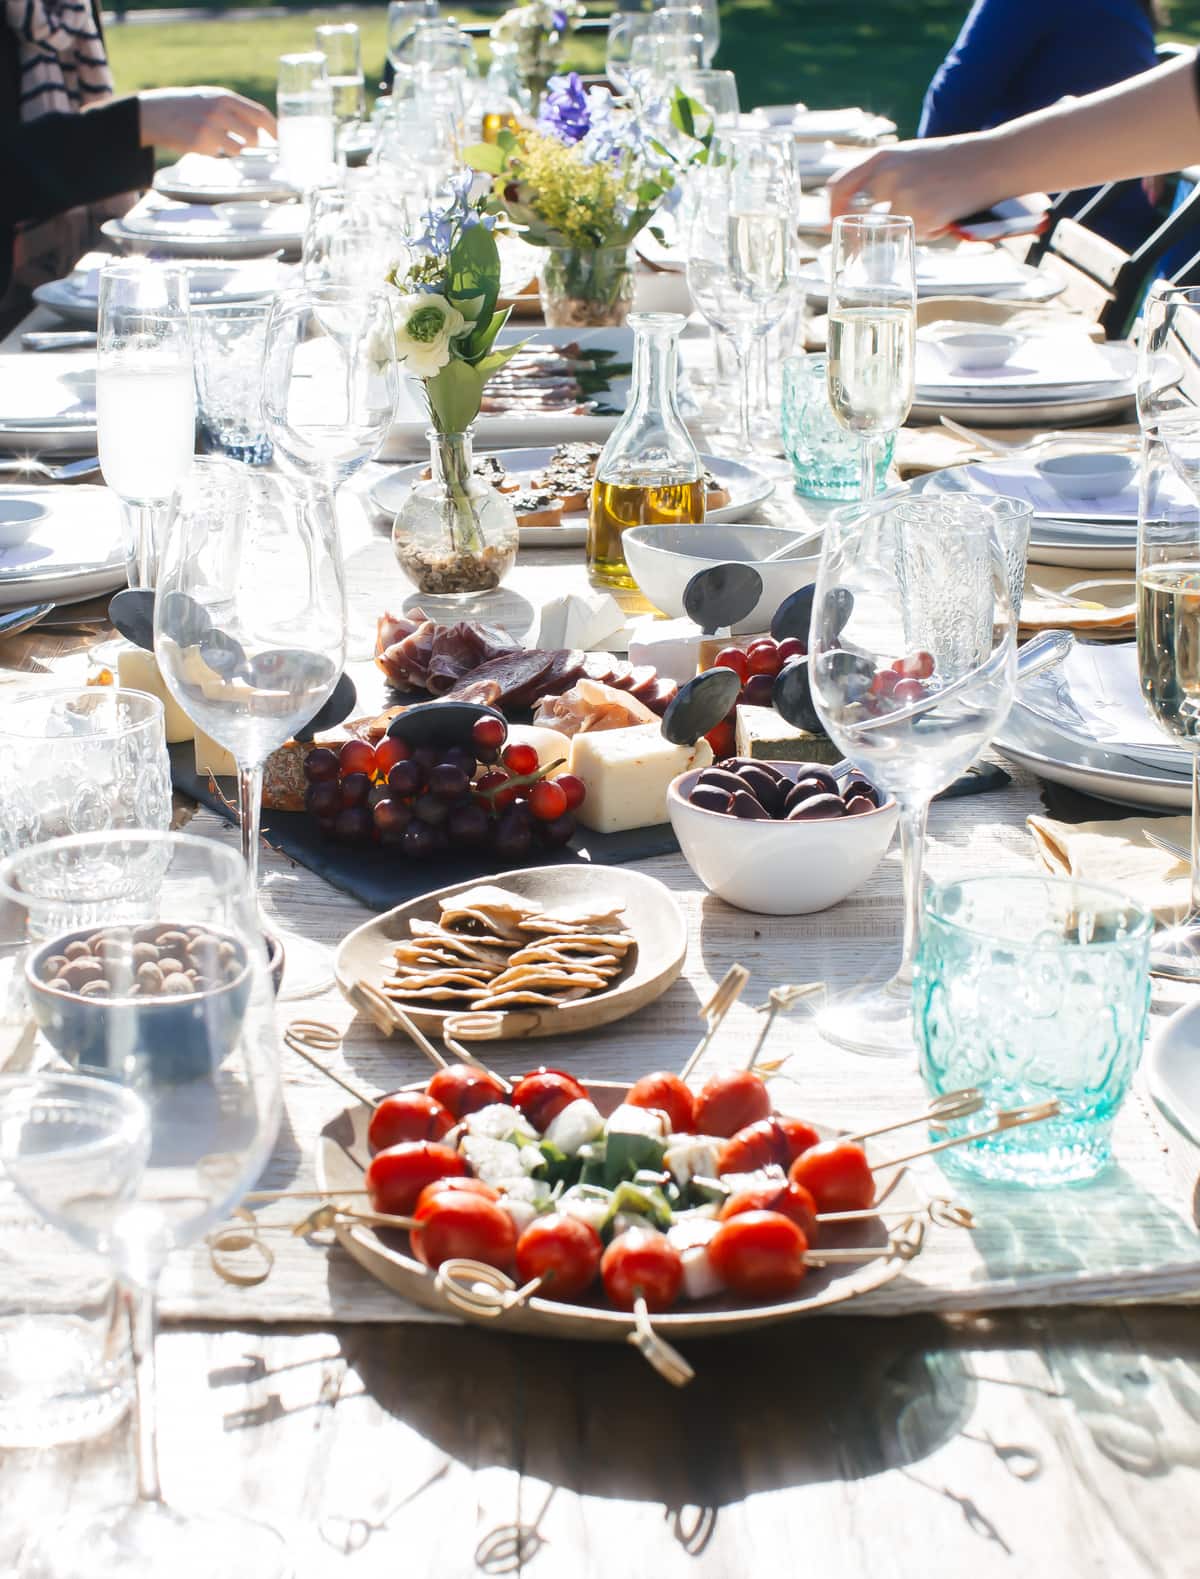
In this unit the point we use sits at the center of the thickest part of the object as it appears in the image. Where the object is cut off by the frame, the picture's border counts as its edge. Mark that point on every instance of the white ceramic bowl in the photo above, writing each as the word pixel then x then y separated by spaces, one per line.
pixel 977 348
pixel 663 559
pixel 1087 476
pixel 779 868
pixel 244 216
pixel 19 517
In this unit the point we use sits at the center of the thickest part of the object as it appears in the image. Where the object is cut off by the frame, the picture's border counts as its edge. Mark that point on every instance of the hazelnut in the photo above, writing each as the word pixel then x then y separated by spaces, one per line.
pixel 150 977
pixel 76 950
pixel 53 965
pixel 94 989
pixel 144 954
pixel 170 966
pixel 110 947
pixel 177 985
pixel 80 971
pixel 174 940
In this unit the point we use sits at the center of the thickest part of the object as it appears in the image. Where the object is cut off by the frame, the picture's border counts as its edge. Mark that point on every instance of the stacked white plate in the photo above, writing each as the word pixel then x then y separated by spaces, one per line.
pixel 1083 724
pixel 203 178
pixel 972 269
pixel 73 551
pixel 48 404
pixel 211 283
pixel 1049 378
pixel 196 230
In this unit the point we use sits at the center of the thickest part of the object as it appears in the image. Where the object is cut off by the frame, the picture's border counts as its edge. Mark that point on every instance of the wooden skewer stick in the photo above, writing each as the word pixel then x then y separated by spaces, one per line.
pixel 388 1017
pixel 331 1215
pixel 468 1057
pixel 780 998
pixel 264 1196
pixel 301 1035
pixel 729 990
pixel 1007 1118
pixel 954 1104
pixel 665 1359
pixel 905 1241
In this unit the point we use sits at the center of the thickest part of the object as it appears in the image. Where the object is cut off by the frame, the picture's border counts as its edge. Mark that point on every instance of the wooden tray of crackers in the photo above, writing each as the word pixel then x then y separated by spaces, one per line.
pixel 545 951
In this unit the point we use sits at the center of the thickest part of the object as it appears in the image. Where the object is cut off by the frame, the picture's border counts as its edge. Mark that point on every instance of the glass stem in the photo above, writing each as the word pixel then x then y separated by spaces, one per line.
pixel 912 854
pixel 249 816
pixel 742 352
pixel 143 527
pixel 140 1305
pixel 870 453
pixel 1195 905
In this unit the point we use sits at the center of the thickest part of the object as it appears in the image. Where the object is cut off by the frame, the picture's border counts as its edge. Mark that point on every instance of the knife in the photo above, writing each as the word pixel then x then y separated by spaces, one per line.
pixel 58 339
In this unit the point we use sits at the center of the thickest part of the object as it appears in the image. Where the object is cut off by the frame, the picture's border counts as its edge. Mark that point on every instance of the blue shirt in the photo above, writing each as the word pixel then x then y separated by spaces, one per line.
pixel 1016 56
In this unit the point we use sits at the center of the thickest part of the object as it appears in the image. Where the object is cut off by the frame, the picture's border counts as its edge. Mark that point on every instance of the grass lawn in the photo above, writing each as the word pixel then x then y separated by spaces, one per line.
pixel 877 53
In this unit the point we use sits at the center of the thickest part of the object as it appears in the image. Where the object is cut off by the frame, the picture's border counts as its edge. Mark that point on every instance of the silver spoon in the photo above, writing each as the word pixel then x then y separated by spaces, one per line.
pixel 14 621
pixel 30 466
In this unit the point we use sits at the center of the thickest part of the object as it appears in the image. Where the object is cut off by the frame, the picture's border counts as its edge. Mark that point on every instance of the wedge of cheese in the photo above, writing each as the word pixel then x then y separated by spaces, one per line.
pixel 137 670
pixel 626 773
pixel 212 758
pixel 762 734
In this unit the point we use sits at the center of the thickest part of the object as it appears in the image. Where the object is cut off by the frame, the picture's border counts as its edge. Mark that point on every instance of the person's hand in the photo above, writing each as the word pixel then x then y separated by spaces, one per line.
pixel 201 120
pixel 934 182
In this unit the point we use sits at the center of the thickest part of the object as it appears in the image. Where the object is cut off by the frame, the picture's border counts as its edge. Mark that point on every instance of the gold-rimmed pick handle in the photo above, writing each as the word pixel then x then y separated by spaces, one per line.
pixel 729 990
pixel 952 1104
pixel 780 1000
pixel 1007 1118
pixel 304 1035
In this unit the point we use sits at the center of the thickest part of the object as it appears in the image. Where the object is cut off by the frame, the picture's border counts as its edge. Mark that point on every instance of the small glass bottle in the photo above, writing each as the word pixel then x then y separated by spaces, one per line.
pixel 649 472
pixel 501 99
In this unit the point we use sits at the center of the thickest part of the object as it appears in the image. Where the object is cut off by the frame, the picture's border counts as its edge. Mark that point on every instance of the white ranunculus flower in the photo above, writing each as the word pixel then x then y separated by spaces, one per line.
pixel 425 326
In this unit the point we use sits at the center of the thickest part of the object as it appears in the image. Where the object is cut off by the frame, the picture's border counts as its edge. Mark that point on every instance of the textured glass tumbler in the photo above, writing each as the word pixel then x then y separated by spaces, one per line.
pixel 1032 988
pixel 826 459
pixel 230 346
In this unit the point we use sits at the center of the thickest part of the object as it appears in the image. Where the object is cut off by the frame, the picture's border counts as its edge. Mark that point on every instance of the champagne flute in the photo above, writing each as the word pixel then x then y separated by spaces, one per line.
pixel 1168 573
pixel 250 630
pixel 145 399
pixel 911 602
pixel 872 330
pixel 624 28
pixel 307 151
pixel 170 1121
pixel 404 17
pixel 341 45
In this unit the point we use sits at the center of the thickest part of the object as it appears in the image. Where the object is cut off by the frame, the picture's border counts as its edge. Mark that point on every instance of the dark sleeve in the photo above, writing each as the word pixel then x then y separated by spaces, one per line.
pixel 59 161
pixel 971 88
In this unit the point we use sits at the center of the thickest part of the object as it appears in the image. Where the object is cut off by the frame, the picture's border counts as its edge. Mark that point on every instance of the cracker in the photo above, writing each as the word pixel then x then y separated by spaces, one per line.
pixel 488 901
pixel 506 1000
pixel 435 978
pixel 438 994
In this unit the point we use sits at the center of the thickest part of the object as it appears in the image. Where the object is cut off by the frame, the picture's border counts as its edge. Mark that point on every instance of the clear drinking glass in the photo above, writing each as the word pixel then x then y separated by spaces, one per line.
pixel 145 399
pixel 826 458
pixel 230 346
pixel 718 92
pixel 624 28
pixel 872 329
pixel 403 19
pixel 1032 988
pixel 329 379
pixel 354 232
pixel 153 1156
pixel 341 45
pixel 304 101
pixel 911 662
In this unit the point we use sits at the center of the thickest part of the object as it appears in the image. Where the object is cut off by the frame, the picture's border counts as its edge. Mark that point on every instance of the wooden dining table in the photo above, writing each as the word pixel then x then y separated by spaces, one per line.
pixel 1050 1430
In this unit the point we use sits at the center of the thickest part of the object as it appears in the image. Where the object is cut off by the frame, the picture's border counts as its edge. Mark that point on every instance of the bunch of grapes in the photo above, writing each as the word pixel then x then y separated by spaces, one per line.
pixel 756 666
pixel 426 799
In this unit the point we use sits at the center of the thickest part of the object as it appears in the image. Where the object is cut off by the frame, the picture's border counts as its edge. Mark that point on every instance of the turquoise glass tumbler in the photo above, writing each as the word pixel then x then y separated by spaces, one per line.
pixel 826 459
pixel 1031 988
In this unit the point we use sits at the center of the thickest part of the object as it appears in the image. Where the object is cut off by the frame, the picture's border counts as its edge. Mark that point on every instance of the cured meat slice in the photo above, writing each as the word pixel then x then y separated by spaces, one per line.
pixel 599 666
pixel 662 692
pixel 622 673
pixel 590 705
pixel 568 666
pixel 494 683
pixel 641 680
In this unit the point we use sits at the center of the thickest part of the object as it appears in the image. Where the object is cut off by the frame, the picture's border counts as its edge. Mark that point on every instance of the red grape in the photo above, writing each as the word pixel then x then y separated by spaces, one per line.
pixel 559 832
pixel 321 765
pixel 404 778
pixel 908 690
pixel 917 666
pixel 792 647
pixel 763 660
pixel 520 759
pixel 431 810
pixel 732 658
pixel 418 841
pixel 391 816
pixel 390 750
pixel 468 825
pixel 427 758
pixel 573 788
pixel 355 789
pixel 357 757
pixel 324 798
pixel 448 782
pixel 547 800
pixel 758 690
pixel 490 781
pixel 460 757
pixel 488 733
pixel 353 824
pixel 884 683
pixel 513 835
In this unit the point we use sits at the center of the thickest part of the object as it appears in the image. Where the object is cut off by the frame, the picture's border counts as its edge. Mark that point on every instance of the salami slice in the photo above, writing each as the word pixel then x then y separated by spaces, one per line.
pixel 641 681
pixel 568 666
pixel 599 666
pixel 496 682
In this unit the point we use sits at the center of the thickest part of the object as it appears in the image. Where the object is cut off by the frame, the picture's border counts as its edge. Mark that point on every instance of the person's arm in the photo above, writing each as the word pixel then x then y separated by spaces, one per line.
pixel 1143 126
pixel 61 160
pixel 971 88
pixel 201 120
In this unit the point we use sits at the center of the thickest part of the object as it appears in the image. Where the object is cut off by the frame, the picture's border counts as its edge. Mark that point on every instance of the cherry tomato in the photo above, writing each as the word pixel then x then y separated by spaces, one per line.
pixel 390 750
pixel 542 1095
pixel 547 800
pixel 759 1253
pixel 463 1089
pixel 764 660
pixel 464 1223
pixel 396 1177
pixel 792 647
pixel 564 1250
pixel 917 666
pixel 729 1101
pixel 756 1145
pixel 837 1174
pixel 642 1261
pixel 520 759
pixel 407 1115
pixel 790 1200
pixel 465 1184
pixel 573 788
pixel 723 739
pixel 732 658
pixel 488 733
pixel 669 1095
pixel 799 1136
pixel 356 756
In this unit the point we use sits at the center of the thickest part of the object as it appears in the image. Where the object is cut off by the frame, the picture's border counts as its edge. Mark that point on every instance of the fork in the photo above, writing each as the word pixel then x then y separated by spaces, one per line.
pixel 1113 441
pixel 1169 845
pixel 30 466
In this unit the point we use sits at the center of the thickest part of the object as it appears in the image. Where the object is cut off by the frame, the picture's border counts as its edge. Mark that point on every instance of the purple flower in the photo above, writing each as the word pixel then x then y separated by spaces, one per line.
pixel 565 112
pixel 558 20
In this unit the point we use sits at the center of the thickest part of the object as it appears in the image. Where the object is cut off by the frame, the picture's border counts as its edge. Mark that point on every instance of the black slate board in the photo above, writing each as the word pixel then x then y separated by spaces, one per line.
pixel 382 879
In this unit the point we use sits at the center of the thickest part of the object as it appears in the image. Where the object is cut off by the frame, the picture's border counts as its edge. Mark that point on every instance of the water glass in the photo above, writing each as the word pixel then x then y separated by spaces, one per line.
pixel 339 42
pixel 1032 988
pixel 304 100
pixel 826 458
pixel 230 346
pixel 404 17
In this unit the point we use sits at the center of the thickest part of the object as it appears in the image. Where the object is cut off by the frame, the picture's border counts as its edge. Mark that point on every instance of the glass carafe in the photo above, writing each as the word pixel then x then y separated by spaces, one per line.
pixel 649 472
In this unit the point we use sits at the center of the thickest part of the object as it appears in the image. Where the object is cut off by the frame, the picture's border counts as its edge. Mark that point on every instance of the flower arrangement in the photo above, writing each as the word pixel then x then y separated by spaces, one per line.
pixel 537 30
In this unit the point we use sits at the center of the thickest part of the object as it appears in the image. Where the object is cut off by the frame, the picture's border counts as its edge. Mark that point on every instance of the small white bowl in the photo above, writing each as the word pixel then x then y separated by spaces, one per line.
pixel 977 348
pixel 19 519
pixel 1097 475
pixel 779 868
pixel 663 559
pixel 244 216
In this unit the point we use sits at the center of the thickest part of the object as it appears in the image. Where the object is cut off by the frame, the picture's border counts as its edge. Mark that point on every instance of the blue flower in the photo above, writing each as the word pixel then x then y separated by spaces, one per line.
pixel 558 21
pixel 565 110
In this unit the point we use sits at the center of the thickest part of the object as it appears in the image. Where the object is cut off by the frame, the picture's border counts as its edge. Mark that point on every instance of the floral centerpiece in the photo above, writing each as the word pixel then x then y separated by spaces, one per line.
pixel 582 183
pixel 533 34
pixel 454 534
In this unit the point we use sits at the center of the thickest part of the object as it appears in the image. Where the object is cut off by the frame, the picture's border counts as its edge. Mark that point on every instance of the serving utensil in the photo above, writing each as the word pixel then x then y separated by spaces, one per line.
pixel 14 621
pixel 1110 441
pixel 1169 845
pixel 58 339
pixel 30 466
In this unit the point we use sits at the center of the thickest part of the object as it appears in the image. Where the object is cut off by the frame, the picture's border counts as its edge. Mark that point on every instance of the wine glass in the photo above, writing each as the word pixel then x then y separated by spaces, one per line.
pixel 624 29
pixel 703 20
pixel 717 91
pixel 329 379
pixel 353 232
pixel 404 17
pixel 170 1120
pixel 872 330
pixel 250 631
pixel 912 669
pixel 145 399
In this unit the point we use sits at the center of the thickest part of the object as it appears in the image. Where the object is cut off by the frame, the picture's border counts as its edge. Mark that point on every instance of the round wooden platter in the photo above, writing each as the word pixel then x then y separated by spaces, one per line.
pixel 342 1155
pixel 650 914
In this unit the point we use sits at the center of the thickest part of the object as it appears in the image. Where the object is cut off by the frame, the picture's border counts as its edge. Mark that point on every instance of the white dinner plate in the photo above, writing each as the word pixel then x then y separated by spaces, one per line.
pixel 75 551
pixel 747 486
pixel 1089 769
pixel 973 270
pixel 1041 369
pixel 203 178
pixel 221 284
pixel 48 403
pixel 1172 1069
pixel 195 231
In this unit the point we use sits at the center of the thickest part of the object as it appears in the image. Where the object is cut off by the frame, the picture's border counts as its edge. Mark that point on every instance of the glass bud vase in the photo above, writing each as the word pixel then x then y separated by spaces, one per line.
pixel 586 287
pixel 455 535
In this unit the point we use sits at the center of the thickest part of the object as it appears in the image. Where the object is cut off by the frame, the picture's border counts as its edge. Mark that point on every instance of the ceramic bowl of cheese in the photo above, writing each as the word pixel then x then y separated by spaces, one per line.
pixel 779 868
pixel 663 559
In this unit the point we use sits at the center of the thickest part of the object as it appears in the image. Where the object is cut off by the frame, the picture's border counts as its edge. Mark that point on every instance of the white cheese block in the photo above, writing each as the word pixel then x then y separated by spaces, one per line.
pixel 212 758
pixel 626 773
pixel 691 1236
pixel 137 670
pixel 671 646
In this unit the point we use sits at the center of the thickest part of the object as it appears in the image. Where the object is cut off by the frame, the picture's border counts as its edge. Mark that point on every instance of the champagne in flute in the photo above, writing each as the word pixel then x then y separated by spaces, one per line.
pixel 1168 626
pixel 871 368
pixel 758 252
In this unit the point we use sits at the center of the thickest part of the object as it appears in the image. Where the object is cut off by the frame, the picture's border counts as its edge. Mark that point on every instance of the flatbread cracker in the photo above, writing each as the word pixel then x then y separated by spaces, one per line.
pixel 508 1000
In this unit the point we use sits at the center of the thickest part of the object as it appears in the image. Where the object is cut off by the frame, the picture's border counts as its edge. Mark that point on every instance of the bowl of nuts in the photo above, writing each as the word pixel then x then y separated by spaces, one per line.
pixel 160 991
pixel 781 838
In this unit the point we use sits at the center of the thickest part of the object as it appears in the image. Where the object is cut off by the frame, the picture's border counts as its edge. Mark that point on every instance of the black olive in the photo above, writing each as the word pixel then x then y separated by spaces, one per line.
pixel 709 798
pixel 736 764
pixel 857 805
pixel 818 771
pixel 744 805
pixel 804 790
pixel 699 706
pixel 859 786
pixel 719 778
pixel 792 697
pixel 764 788
pixel 818 809
pixel 721 595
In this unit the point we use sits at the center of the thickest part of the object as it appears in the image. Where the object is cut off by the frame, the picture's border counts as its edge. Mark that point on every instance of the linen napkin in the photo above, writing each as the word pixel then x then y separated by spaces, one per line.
pixel 1053 596
pixel 579 619
pixel 1118 855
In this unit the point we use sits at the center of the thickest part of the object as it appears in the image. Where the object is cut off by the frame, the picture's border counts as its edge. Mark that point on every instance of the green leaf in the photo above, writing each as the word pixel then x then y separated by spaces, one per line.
pixel 454 395
pixel 474 273
pixel 495 360
pixel 486 157
pixel 483 339
pixel 683 114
